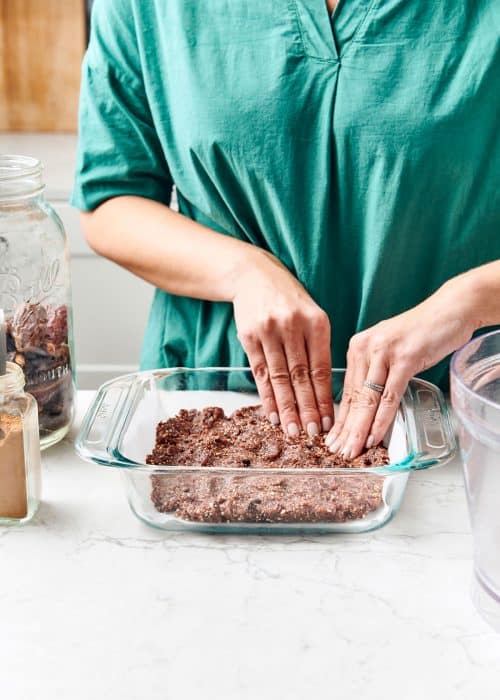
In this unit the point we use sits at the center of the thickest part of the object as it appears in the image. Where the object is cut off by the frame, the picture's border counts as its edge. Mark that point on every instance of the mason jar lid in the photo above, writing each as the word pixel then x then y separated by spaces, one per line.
pixel 12 381
pixel 20 177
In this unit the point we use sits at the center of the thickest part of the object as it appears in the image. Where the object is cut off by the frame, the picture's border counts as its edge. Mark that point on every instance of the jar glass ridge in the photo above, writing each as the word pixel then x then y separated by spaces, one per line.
pixel 20 177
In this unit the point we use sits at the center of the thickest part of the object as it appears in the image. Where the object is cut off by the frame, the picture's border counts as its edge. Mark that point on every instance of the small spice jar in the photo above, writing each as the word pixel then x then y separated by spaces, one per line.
pixel 20 464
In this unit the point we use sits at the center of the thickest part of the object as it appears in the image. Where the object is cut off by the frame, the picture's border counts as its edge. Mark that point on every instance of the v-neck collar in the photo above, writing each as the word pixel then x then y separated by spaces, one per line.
pixel 336 10
pixel 347 20
pixel 326 35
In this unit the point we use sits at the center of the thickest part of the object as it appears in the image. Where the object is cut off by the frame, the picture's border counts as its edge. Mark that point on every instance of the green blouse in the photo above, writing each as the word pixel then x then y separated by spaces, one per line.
pixel 363 150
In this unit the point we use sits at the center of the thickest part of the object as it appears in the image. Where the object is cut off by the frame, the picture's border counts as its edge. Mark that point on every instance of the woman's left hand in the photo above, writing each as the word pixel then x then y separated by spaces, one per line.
pixel 389 354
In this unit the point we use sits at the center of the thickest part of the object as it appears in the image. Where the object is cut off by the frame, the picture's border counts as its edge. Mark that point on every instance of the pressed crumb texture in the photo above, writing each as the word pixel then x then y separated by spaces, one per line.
pixel 247 440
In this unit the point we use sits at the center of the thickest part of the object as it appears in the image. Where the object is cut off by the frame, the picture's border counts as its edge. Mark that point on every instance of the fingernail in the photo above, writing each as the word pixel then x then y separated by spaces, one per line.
pixel 274 418
pixel 293 429
pixel 346 453
pixel 335 447
pixel 312 429
pixel 370 441
pixel 330 439
pixel 326 423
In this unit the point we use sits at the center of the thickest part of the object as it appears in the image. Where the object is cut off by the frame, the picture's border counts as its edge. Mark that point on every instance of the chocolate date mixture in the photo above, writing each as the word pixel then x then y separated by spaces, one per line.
pixel 247 440
pixel 37 340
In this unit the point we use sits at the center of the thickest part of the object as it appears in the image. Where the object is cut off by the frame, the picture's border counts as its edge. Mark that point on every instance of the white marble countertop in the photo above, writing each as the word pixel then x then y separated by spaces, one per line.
pixel 94 604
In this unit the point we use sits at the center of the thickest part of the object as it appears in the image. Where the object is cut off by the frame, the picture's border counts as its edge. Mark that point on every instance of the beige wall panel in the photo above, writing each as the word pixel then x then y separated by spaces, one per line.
pixel 41 47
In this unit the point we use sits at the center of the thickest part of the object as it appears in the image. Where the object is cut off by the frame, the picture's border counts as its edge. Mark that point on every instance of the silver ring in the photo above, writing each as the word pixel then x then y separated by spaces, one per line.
pixel 372 385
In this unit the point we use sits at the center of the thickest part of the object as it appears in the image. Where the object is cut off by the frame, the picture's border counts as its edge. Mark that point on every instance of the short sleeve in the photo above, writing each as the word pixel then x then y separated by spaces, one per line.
pixel 119 151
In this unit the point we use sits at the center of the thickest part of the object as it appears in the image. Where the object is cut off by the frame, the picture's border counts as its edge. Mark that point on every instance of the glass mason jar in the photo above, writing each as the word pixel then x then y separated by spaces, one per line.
pixel 19 449
pixel 35 293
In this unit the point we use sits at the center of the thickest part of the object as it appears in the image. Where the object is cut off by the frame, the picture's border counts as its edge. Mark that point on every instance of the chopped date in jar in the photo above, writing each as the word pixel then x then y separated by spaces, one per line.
pixel 54 401
pixel 37 340
pixel 247 439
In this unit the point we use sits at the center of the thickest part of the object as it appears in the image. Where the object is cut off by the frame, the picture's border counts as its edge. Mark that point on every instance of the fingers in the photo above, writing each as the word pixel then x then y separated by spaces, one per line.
pixel 260 371
pixel 395 387
pixel 356 434
pixel 370 412
pixel 298 368
pixel 283 390
pixel 320 363
pixel 387 354
pixel 290 358
pixel 343 410
pixel 357 368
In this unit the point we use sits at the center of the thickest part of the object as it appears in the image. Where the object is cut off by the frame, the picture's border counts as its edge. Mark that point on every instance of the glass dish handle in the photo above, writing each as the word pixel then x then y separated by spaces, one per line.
pixel 100 421
pixel 433 430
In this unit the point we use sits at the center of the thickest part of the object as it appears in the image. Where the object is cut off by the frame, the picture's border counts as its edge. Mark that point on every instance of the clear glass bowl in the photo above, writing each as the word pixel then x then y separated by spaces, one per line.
pixel 475 393
pixel 119 431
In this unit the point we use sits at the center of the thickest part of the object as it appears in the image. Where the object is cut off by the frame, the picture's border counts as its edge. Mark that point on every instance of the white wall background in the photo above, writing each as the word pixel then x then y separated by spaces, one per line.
pixel 110 305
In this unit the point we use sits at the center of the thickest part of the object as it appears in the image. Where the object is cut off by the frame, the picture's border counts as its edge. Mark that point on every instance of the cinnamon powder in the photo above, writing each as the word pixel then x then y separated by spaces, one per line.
pixel 13 497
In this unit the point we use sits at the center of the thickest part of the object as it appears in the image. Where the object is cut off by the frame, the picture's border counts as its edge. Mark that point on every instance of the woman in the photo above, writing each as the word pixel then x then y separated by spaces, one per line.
pixel 333 166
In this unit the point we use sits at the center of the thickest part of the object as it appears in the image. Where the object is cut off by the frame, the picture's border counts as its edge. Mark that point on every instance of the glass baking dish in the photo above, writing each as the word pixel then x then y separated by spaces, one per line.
pixel 119 431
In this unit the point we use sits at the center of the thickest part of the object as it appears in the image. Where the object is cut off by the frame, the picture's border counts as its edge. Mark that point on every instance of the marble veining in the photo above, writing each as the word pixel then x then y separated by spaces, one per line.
pixel 93 603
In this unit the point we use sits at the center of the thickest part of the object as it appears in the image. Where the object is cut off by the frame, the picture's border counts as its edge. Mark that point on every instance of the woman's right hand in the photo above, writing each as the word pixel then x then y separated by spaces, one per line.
pixel 284 333
pixel 286 336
